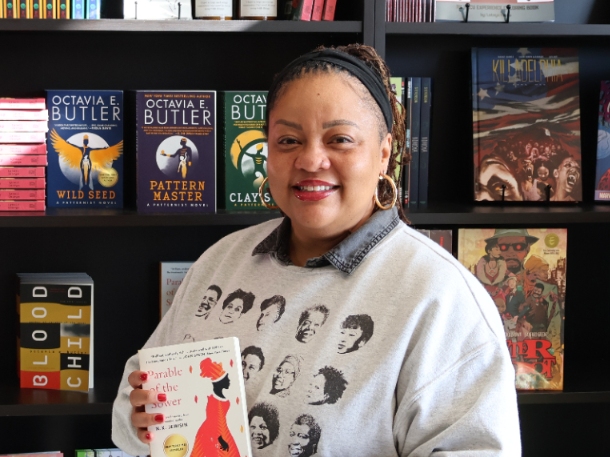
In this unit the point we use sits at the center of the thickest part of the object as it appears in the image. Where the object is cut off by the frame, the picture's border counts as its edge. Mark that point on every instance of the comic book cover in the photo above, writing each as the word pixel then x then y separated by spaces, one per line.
pixel 245 150
pixel 524 271
pixel 526 124
pixel 85 149
pixel 602 169
pixel 176 151
pixel 495 10
pixel 201 394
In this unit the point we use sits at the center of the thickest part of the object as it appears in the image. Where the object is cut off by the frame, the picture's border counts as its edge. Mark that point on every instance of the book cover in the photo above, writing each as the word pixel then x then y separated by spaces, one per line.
pixel 302 10
pixel 23 126
pixel 9 10
pixel 205 406
pixel 22 172
pixel 79 9
pixel 157 9
pixel 414 128
pixel 495 10
pixel 22 183
pixel 602 167
pixel 171 275
pixel 23 160
pixel 50 8
pixel 23 137
pixel 23 149
pixel 424 140
pixel 36 12
pixel 63 9
pixel 55 331
pixel 328 12
pixel 443 237
pixel 36 205
pixel 94 9
pixel 398 86
pixel 22 194
pixel 24 9
pixel 526 124
pixel 524 271
pixel 317 9
pixel 176 151
pixel 85 149
pixel 245 150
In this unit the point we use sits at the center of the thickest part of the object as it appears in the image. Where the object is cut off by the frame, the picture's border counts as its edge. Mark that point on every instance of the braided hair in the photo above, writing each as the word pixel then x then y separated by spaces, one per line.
pixel 399 155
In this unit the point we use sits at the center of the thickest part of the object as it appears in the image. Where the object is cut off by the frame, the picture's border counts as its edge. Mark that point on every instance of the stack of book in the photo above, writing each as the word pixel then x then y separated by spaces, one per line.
pixel 23 154
pixel 410 10
pixel 50 9
pixel 112 452
pixel 310 10
pixel 55 339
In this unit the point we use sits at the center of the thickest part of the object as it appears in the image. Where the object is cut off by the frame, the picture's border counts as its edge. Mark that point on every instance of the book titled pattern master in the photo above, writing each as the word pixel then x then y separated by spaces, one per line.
pixel 85 148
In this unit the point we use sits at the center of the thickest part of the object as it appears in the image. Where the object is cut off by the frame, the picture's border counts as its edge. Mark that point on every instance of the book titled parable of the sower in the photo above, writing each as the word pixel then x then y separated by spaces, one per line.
pixel 176 151
pixel 205 407
pixel 85 149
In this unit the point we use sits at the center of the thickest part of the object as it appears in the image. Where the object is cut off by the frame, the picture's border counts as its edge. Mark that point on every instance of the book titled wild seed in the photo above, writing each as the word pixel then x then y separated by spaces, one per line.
pixel 204 409
pixel 245 149
pixel 176 151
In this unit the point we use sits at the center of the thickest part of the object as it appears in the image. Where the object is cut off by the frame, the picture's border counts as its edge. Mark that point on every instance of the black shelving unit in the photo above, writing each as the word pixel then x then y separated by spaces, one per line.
pixel 121 249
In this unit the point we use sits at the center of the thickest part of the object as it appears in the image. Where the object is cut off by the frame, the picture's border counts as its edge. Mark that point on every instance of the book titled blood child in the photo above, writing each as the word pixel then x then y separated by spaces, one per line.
pixel 204 409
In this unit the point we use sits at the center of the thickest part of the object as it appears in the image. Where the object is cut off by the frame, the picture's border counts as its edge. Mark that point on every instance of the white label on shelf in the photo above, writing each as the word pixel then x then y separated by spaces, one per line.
pixel 258 8
pixel 213 8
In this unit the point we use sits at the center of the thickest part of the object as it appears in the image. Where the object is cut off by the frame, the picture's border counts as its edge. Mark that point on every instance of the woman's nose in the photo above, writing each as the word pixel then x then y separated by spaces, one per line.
pixel 313 157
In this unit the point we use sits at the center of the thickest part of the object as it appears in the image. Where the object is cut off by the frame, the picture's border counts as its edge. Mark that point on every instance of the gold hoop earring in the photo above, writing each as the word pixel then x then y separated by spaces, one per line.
pixel 394 192
pixel 261 194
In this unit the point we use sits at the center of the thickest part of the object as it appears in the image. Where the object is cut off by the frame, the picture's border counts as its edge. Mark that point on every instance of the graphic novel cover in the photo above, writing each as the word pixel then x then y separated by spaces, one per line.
pixel 245 150
pixel 204 408
pixel 176 149
pixel 85 149
pixel 171 275
pixel 602 168
pixel 526 124
pixel 495 10
pixel 55 330
pixel 524 271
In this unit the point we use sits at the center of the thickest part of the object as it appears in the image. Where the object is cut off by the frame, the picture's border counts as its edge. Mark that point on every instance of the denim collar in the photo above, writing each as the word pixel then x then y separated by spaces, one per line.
pixel 345 256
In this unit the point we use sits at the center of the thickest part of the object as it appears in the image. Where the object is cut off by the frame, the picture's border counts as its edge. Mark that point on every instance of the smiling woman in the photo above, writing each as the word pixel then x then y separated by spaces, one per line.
pixel 368 318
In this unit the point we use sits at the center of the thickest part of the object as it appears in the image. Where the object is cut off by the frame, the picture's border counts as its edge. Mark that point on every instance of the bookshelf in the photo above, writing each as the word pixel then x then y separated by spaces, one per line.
pixel 121 249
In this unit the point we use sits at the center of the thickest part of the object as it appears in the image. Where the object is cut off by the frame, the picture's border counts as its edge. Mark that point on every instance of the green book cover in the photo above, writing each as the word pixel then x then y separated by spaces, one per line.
pixel 245 149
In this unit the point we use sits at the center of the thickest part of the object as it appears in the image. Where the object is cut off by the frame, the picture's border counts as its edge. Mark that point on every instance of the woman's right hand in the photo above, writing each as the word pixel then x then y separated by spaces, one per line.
pixel 139 398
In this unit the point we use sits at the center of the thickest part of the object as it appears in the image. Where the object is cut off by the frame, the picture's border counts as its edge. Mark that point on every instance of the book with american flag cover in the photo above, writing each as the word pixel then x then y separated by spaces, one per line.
pixel 526 124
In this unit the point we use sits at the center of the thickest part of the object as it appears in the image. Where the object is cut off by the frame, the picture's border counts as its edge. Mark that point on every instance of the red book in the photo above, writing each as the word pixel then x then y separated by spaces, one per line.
pixel 23 160
pixel 37 205
pixel 318 7
pixel 24 115
pixel 328 13
pixel 303 10
pixel 22 103
pixel 22 172
pixel 23 137
pixel 24 149
pixel 22 194
pixel 22 183
pixel 23 126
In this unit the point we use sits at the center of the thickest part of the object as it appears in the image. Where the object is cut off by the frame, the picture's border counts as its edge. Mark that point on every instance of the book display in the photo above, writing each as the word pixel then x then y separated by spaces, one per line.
pixel 122 248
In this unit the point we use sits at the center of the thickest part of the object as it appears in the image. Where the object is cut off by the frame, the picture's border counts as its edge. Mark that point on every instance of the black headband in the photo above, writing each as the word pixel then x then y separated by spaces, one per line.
pixel 356 67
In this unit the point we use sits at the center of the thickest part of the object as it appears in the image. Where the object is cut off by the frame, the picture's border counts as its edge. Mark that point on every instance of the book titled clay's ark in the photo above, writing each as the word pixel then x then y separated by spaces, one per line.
pixel 205 403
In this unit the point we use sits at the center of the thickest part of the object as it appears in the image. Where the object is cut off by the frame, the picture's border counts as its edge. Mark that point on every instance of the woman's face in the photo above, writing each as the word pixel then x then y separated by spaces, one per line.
pixel 325 154
pixel 284 376
pixel 232 311
pixel 259 433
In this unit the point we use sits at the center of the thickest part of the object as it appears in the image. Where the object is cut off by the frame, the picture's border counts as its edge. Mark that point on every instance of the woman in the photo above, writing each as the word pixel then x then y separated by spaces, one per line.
pixel 264 425
pixel 435 377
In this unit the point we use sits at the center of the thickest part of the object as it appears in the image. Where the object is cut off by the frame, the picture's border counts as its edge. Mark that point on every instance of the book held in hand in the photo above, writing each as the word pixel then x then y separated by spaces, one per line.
pixel 204 408
pixel 524 272
pixel 526 124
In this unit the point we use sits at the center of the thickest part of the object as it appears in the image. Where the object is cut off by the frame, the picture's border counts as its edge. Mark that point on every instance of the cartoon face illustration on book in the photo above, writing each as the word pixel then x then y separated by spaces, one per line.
pixel 176 155
pixel 249 156
pixel 86 158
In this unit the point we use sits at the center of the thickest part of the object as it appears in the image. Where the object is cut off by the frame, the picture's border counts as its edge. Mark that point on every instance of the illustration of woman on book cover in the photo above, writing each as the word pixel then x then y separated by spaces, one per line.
pixel 214 437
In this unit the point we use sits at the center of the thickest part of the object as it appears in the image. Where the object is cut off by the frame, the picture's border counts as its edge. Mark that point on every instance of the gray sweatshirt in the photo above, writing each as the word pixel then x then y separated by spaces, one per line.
pixel 385 346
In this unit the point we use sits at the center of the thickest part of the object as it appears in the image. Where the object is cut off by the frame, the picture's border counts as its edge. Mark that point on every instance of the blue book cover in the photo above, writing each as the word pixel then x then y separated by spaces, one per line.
pixel 176 151
pixel 78 9
pixel 85 149
pixel 526 124
pixel 414 121
pixel 424 140
pixel 93 9
pixel 602 168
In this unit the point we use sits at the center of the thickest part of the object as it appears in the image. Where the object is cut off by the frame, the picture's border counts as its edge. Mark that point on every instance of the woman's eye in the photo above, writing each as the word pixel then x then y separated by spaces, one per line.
pixel 341 139
pixel 288 141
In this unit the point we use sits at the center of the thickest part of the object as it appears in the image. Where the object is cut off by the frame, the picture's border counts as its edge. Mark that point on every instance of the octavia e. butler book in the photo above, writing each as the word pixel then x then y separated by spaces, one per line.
pixel 524 271
pixel 245 150
pixel 526 124
pixel 204 409
pixel 176 151
pixel 85 149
